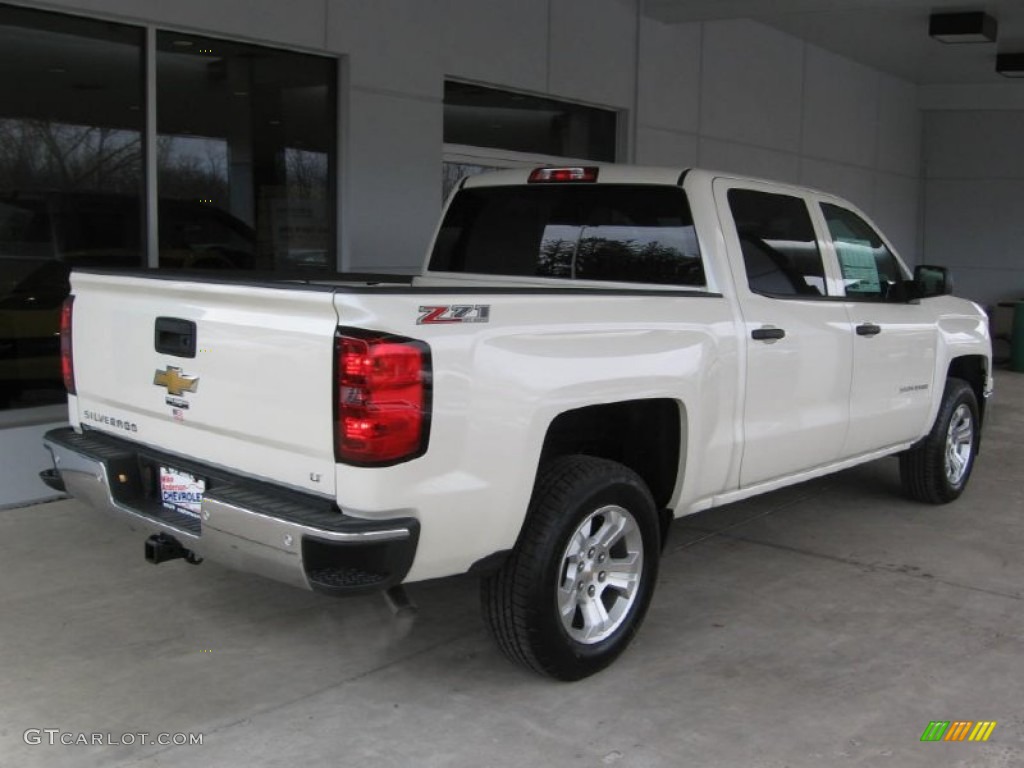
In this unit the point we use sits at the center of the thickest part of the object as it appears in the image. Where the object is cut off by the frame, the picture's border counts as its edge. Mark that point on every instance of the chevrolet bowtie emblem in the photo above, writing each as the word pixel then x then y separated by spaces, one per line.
pixel 177 383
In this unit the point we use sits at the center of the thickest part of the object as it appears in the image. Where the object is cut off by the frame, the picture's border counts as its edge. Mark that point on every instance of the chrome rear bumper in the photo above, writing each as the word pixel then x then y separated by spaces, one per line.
pixel 250 526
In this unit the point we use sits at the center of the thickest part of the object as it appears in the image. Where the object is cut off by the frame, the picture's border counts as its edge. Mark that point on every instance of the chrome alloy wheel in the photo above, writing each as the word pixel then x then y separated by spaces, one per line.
pixel 600 574
pixel 959 444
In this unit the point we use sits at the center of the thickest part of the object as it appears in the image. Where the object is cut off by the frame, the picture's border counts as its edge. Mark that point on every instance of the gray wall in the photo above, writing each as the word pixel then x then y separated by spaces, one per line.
pixel 741 97
pixel 974 200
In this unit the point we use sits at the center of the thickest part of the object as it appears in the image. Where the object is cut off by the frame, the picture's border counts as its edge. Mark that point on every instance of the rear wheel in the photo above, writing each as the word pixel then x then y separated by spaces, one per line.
pixel 576 588
pixel 937 468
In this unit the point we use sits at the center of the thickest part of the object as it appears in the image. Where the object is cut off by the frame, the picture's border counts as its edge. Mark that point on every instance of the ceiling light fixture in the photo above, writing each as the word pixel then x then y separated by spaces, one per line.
pixel 972 27
pixel 1010 64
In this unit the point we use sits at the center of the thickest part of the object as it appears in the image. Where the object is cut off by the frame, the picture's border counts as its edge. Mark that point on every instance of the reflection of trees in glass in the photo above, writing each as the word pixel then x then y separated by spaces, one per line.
pixel 627 260
pixel 600 258
pixel 306 173
pixel 38 154
pixel 192 168
pixel 555 258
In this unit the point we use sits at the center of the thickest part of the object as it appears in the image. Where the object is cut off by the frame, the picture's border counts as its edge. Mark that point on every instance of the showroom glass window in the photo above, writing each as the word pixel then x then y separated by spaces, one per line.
pixel 245 156
pixel 245 168
pixel 71 179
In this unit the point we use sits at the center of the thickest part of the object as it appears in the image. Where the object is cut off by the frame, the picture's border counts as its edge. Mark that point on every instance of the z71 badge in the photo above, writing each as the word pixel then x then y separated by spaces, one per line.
pixel 455 313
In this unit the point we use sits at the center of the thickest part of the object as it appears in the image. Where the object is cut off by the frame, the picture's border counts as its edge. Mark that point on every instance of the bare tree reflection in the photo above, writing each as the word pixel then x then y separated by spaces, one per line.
pixel 40 155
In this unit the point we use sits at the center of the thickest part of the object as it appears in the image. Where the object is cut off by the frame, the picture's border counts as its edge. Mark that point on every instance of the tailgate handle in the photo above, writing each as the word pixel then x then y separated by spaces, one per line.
pixel 175 337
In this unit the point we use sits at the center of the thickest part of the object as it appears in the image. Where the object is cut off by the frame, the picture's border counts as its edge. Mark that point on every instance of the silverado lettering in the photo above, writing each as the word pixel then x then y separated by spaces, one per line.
pixel 110 421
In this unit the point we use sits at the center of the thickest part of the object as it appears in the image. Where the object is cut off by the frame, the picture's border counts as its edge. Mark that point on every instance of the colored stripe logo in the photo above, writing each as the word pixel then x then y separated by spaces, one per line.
pixel 959 730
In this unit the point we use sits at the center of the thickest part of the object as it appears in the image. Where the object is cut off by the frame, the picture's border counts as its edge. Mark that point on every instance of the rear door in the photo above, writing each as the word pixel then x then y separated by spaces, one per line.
pixel 894 341
pixel 237 376
pixel 797 336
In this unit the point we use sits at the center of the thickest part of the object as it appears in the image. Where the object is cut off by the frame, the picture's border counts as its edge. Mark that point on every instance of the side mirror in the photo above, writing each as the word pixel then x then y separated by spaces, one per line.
pixel 932 281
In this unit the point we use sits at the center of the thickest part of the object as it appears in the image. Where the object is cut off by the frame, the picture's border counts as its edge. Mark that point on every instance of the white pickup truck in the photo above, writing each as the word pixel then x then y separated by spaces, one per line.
pixel 589 353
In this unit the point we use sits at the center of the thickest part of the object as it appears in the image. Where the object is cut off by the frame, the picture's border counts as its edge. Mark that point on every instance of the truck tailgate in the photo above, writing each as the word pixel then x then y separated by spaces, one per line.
pixel 254 397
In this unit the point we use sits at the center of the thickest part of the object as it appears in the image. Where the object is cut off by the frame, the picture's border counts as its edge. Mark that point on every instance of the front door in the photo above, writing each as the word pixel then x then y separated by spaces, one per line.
pixel 894 341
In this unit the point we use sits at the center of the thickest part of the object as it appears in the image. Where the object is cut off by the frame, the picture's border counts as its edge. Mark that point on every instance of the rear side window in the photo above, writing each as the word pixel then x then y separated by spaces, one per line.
pixel 596 232
pixel 780 249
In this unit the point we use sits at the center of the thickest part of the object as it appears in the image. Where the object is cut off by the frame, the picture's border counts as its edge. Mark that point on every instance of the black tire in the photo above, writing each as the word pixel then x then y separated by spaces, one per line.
pixel 937 468
pixel 575 498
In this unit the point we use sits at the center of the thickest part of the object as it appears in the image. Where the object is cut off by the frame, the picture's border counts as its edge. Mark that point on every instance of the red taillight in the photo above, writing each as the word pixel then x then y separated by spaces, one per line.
pixel 383 399
pixel 576 173
pixel 67 363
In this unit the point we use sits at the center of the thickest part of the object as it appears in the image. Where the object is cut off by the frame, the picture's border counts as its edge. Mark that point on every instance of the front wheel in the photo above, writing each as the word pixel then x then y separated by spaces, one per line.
pixel 937 468
pixel 577 586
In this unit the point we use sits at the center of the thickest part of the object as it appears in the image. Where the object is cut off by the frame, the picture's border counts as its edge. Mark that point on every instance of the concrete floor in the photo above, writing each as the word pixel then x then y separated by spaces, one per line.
pixel 822 625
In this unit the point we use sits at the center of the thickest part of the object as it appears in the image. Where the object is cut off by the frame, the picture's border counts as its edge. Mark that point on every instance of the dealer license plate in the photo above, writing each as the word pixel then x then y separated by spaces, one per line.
pixel 181 492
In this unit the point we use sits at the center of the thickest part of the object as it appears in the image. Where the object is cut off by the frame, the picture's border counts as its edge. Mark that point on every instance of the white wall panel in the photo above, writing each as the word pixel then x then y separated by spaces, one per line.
pixel 897 210
pixel 840 109
pixel 977 224
pixel 752 85
pixel 296 22
pixel 657 147
pixel 394 180
pixel 974 200
pixel 972 97
pixel 974 145
pixel 669 84
pixel 392 44
pixel 592 56
pixel 495 41
pixel 899 127
pixel 988 286
pixel 746 160
pixel 855 184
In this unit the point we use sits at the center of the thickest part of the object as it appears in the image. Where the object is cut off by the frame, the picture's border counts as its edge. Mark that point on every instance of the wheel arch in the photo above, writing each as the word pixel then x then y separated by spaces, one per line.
pixel 646 435
pixel 974 370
